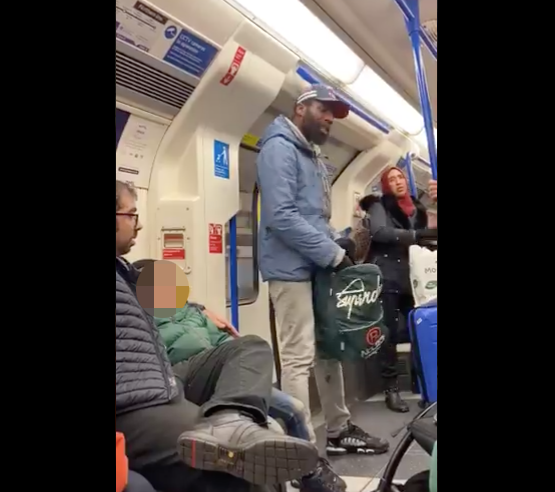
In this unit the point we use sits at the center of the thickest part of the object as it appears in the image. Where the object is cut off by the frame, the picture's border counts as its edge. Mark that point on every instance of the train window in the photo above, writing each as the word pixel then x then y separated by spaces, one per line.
pixel 247 267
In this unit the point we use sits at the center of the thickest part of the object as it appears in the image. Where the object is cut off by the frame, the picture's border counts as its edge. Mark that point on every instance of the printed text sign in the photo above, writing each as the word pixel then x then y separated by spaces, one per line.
pixel 190 53
pixel 215 239
pixel 234 67
pixel 173 254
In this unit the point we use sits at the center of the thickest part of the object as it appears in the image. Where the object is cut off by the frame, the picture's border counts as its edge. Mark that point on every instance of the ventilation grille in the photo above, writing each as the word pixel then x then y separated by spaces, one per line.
pixel 431 28
pixel 139 77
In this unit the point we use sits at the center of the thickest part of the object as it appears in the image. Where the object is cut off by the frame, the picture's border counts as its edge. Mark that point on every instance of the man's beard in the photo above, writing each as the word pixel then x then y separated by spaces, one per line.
pixel 313 133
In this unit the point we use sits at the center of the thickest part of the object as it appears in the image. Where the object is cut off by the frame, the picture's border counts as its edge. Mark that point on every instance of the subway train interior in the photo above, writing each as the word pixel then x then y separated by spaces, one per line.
pixel 197 83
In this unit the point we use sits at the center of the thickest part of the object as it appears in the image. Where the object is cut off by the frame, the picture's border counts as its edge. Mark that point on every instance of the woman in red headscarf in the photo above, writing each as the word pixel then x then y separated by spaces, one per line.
pixel 397 221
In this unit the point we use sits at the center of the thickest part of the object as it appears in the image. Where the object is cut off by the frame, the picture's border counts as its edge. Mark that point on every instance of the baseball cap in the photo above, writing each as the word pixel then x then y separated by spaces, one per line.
pixel 326 95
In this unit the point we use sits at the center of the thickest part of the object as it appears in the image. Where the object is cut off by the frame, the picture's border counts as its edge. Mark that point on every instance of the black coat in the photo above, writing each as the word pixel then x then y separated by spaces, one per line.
pixel 392 235
pixel 144 377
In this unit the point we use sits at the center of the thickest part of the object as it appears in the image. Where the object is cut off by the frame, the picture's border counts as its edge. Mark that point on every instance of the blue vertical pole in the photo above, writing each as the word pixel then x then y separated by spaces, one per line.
pixel 410 174
pixel 424 36
pixel 413 26
pixel 406 162
pixel 233 279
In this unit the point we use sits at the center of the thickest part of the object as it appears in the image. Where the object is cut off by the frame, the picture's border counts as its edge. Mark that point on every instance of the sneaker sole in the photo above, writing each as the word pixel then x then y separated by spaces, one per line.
pixel 268 462
pixel 366 451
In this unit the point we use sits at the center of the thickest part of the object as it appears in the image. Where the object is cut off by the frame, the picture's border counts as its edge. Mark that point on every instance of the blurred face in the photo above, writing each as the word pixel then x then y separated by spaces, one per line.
pixel 127 224
pixel 316 120
pixel 397 183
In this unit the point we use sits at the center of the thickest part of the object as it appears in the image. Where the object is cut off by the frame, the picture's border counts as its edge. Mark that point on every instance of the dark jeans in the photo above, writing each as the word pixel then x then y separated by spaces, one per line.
pixel 396 311
pixel 291 412
pixel 235 375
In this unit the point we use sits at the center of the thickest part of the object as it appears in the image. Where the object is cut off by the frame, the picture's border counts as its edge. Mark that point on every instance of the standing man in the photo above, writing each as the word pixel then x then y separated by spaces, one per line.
pixel 296 238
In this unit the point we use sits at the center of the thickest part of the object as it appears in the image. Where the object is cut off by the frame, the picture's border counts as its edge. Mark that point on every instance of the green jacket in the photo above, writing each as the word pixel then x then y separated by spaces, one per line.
pixel 189 333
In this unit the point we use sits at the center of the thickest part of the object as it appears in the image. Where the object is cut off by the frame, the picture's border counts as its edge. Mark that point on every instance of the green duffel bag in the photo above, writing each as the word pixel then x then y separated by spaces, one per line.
pixel 348 313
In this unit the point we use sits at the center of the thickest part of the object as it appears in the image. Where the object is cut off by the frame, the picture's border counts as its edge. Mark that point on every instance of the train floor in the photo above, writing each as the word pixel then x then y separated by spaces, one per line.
pixel 361 472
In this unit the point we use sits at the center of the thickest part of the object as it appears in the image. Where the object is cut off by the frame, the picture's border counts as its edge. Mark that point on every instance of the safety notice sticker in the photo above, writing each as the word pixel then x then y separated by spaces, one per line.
pixel 234 67
pixel 221 159
pixel 138 24
pixel 189 52
pixel 136 147
pixel 215 239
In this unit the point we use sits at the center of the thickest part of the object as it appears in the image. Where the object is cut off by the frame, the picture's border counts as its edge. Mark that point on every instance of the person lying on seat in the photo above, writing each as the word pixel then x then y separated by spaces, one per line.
pixel 194 330
pixel 180 444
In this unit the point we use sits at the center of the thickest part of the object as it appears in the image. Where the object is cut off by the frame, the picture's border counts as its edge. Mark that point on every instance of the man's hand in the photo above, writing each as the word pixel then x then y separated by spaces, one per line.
pixel 349 246
pixel 346 263
pixel 433 189
pixel 425 236
pixel 222 323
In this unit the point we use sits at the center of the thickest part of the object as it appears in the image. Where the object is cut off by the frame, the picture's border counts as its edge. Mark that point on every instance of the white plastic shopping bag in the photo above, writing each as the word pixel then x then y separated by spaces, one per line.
pixel 423 274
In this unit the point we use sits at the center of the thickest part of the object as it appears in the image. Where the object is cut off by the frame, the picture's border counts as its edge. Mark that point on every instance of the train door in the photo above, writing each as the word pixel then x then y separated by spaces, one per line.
pixel 253 315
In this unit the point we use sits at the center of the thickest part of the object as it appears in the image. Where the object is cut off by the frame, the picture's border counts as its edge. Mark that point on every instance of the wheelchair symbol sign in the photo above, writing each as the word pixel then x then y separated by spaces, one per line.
pixel 170 32
pixel 221 159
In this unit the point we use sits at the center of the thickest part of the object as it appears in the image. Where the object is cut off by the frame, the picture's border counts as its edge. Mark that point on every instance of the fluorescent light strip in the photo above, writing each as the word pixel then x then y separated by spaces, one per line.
pixel 422 139
pixel 374 91
pixel 303 32
pixel 301 29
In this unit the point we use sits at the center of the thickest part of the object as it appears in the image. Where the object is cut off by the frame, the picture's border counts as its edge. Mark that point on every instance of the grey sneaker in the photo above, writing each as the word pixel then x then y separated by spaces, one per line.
pixel 229 442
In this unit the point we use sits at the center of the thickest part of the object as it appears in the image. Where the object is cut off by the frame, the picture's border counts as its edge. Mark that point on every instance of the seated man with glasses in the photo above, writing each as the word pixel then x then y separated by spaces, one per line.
pixel 230 447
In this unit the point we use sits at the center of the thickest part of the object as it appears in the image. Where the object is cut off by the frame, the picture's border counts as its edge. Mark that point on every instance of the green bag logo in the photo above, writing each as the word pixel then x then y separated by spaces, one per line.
pixel 375 338
pixel 355 294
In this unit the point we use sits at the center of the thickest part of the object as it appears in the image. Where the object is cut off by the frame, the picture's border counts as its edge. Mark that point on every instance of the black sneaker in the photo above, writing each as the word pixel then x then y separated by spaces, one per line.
pixel 354 440
pixel 229 442
pixel 323 479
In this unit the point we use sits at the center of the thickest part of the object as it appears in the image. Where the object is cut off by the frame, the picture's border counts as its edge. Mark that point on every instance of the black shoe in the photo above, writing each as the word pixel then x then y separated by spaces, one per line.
pixel 354 440
pixel 230 442
pixel 394 401
pixel 323 479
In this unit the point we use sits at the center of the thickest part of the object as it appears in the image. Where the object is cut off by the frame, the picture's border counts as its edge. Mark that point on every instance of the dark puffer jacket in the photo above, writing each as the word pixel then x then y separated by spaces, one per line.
pixel 392 234
pixel 144 376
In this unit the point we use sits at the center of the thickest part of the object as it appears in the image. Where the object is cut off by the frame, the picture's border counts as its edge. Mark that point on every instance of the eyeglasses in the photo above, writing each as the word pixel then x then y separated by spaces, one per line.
pixel 136 216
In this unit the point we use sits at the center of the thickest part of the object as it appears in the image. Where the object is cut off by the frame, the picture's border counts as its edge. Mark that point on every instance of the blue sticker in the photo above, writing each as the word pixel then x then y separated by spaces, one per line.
pixel 221 159
pixel 170 32
pixel 190 54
